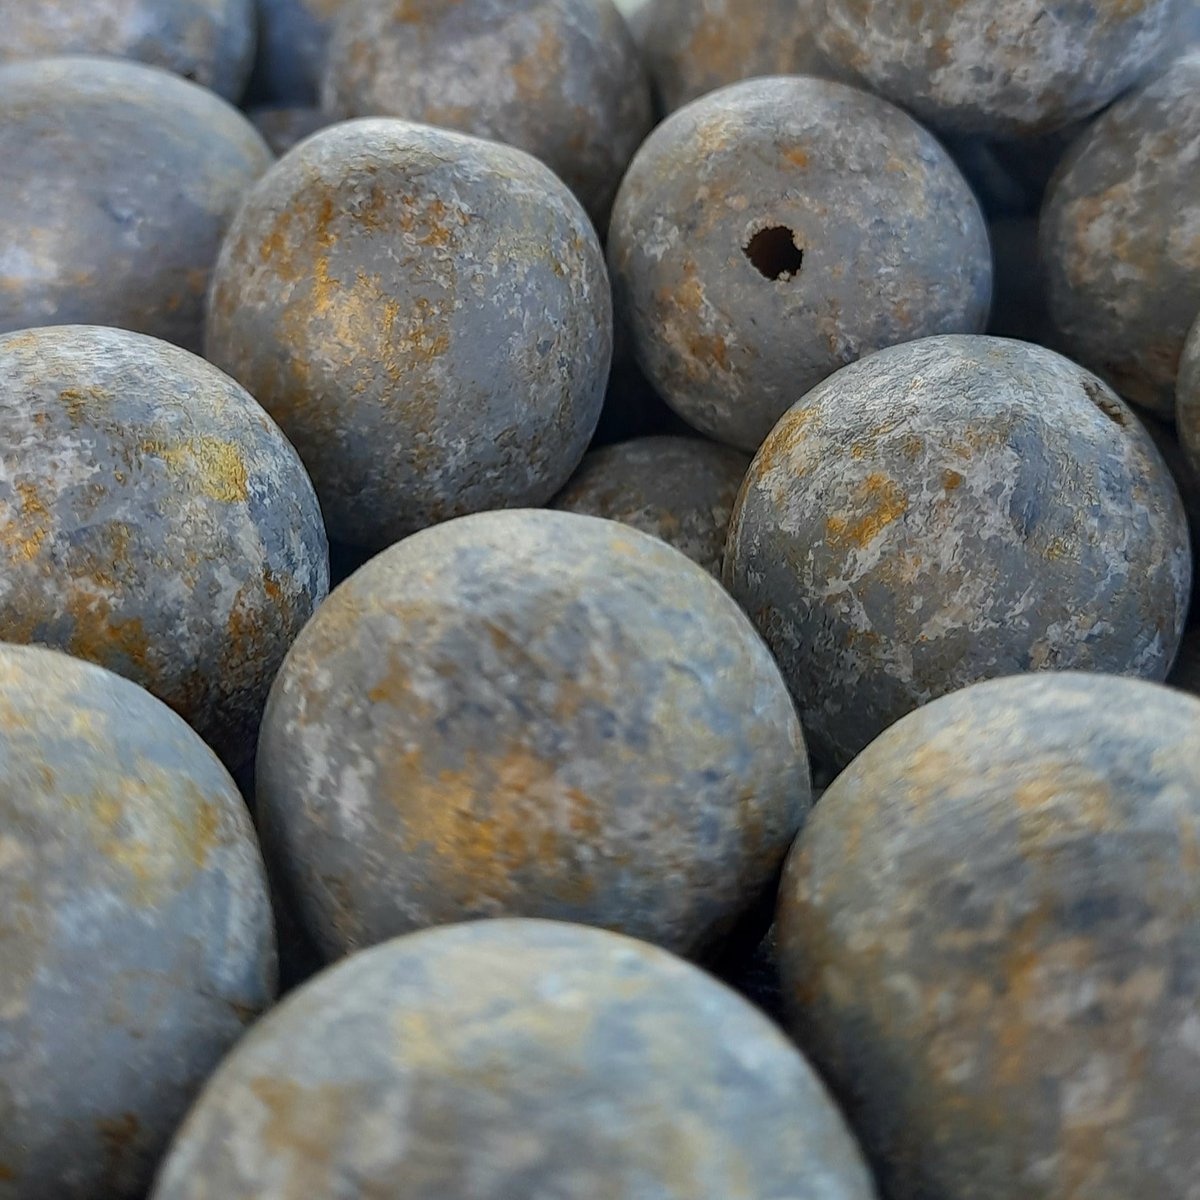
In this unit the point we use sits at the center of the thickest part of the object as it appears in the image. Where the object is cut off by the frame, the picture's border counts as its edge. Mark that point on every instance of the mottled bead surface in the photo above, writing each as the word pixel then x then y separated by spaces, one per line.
pixel 530 714
pixel 983 66
pixel 292 41
pixel 1187 399
pixel 951 510
pixel 990 942
pixel 561 79
pixel 1120 238
pixel 773 231
pixel 153 520
pixel 210 42
pixel 376 295
pixel 136 940
pixel 692 47
pixel 504 1059
pixel 117 185
pixel 679 489
pixel 284 127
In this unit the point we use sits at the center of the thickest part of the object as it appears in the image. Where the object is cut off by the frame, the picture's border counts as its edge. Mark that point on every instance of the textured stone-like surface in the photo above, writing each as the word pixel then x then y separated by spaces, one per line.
pixel 136 938
pixel 283 127
pixel 948 511
pixel 153 520
pixel 1120 238
pixel 505 1059
pixel 679 489
pixel 118 182
pixel 978 66
pixel 292 41
pixel 561 79
pixel 990 942
pixel 530 714
pixel 867 235
pixel 376 296
pixel 1187 399
pixel 210 42
pixel 691 47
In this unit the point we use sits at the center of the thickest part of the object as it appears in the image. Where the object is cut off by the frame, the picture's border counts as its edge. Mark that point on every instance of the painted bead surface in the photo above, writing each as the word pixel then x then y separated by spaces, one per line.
pixel 773 231
pixel 952 510
pixel 530 714
pixel 118 183
pixel 515 1058
pixel 561 79
pixel 1120 238
pixel 136 940
pixel 978 66
pixel 153 520
pixel 679 489
pixel 375 296
pixel 692 48
pixel 990 941
pixel 210 42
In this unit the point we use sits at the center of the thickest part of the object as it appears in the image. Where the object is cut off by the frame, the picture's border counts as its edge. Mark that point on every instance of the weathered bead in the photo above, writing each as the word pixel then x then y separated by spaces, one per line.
pixel 560 79
pixel 989 932
pixel 153 520
pixel 679 489
pixel 136 940
pixel 773 231
pixel 375 296
pixel 210 42
pixel 117 184
pixel 505 1059
pixel 1120 238
pixel 978 66
pixel 952 510
pixel 530 714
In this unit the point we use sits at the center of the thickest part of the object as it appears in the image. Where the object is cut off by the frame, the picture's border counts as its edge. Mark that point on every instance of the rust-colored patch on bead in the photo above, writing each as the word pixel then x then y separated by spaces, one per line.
pixel 889 504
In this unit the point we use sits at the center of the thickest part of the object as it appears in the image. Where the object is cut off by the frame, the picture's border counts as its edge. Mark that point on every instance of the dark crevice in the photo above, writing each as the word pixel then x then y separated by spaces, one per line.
pixel 774 253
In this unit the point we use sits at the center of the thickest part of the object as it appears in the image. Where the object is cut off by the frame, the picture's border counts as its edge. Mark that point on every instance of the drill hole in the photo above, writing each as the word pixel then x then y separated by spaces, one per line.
pixel 1111 408
pixel 774 254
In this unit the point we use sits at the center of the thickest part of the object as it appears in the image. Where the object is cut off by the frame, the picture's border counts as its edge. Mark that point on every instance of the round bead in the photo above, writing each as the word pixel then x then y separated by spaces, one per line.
pixel 773 231
pixel 515 1058
pixel 153 520
pixel 530 714
pixel 118 183
pixel 977 66
pixel 136 941
pixel 692 47
pixel 1120 238
pixel 679 489
pixel 951 510
pixel 561 79
pixel 989 932
pixel 375 295
pixel 210 42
